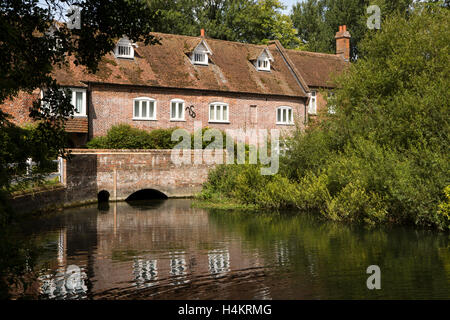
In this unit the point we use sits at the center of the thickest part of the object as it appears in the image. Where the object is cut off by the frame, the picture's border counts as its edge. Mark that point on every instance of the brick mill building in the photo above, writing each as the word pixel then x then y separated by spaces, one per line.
pixel 223 84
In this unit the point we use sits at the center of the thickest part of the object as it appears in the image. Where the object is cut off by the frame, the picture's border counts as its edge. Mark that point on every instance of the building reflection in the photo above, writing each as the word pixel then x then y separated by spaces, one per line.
pixel 178 268
pixel 145 272
pixel 219 262
pixel 66 282
pixel 282 253
pixel 128 248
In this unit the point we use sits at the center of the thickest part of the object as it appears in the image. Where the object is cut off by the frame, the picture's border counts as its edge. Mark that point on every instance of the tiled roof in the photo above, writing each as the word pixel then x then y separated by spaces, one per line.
pixel 77 125
pixel 317 69
pixel 230 68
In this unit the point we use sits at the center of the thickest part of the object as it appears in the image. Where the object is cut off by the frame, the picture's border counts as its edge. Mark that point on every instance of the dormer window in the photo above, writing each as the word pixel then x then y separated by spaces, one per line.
pixel 200 54
pixel 124 49
pixel 200 58
pixel 262 63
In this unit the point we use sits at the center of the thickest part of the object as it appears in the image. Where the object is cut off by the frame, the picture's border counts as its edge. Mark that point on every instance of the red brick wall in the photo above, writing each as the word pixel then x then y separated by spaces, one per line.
pixel 110 105
pixel 113 105
pixel 91 171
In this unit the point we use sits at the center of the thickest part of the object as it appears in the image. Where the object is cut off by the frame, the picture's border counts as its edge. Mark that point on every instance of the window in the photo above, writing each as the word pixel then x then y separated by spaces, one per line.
pixel 124 49
pixel 79 101
pixel 144 109
pixel 200 54
pixel 264 64
pixel 218 112
pixel 200 58
pixel 313 103
pixel 285 115
pixel 177 110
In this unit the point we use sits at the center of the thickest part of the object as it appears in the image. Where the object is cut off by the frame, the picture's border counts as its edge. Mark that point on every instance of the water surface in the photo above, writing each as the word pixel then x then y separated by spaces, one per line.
pixel 168 250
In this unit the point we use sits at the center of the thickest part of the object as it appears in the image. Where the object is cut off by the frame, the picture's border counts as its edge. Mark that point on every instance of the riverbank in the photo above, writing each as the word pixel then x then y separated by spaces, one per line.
pixel 222 203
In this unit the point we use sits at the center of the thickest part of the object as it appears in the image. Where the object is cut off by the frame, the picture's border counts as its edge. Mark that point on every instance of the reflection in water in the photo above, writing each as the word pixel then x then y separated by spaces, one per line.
pixel 65 284
pixel 282 252
pixel 168 250
pixel 219 262
pixel 178 268
pixel 145 272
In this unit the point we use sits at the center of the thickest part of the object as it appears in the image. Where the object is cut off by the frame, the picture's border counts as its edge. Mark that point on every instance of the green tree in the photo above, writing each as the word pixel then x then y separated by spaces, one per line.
pixel 32 43
pixel 247 21
pixel 318 20
pixel 383 156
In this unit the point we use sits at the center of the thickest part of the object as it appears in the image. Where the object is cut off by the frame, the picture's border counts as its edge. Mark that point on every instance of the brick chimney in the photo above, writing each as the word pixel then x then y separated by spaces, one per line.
pixel 202 33
pixel 343 43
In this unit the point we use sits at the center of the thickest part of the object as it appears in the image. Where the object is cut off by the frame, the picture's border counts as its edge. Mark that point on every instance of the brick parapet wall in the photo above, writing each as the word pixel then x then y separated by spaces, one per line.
pixel 90 171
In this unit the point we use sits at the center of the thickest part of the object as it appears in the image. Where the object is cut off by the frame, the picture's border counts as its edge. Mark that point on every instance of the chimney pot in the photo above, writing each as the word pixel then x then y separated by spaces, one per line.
pixel 343 43
pixel 202 33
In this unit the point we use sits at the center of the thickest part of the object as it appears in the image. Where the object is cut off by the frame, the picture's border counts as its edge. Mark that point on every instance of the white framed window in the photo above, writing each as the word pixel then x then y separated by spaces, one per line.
pixel 312 109
pixel 200 54
pixel 144 109
pixel 177 110
pixel 124 49
pixel 263 61
pixel 285 115
pixel 200 58
pixel 264 64
pixel 79 101
pixel 218 112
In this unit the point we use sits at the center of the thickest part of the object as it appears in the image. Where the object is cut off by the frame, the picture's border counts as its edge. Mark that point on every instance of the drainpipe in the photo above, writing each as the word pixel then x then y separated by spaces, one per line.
pixel 115 184
pixel 306 110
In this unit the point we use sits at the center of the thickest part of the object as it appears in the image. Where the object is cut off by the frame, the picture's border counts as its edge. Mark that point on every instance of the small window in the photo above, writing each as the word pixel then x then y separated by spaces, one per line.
pixel 218 112
pixel 313 103
pixel 177 110
pixel 124 49
pixel 144 109
pixel 79 101
pixel 200 54
pixel 285 115
pixel 200 57
pixel 264 64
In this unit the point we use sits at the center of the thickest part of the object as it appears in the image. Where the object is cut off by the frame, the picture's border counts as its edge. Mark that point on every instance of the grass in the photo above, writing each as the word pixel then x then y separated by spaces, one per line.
pixel 220 202
pixel 33 186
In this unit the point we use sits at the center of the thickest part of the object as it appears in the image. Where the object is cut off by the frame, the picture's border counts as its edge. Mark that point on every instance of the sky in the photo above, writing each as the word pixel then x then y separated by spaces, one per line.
pixel 289 4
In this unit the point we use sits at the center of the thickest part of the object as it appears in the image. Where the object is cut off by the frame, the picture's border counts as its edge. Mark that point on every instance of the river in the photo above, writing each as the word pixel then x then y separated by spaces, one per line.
pixel 169 250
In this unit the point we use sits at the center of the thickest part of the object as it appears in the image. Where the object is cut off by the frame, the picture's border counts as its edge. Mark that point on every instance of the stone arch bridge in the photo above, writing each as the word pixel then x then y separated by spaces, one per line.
pixel 122 173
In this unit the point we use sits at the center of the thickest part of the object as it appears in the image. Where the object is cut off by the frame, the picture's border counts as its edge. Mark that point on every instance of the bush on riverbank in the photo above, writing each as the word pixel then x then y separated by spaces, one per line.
pixel 383 156
pixel 123 136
